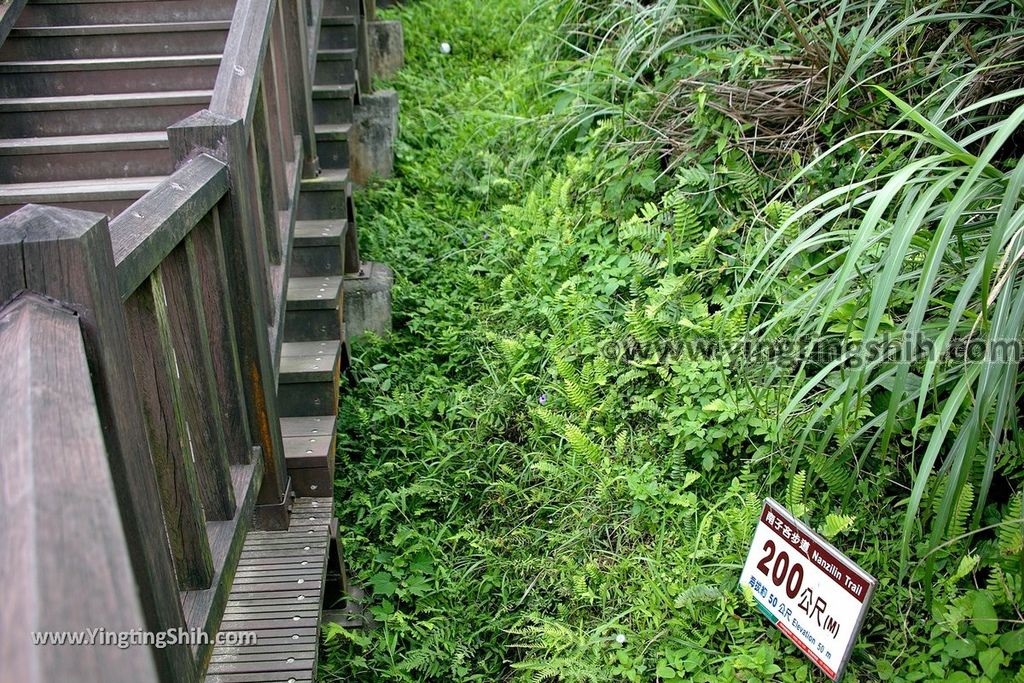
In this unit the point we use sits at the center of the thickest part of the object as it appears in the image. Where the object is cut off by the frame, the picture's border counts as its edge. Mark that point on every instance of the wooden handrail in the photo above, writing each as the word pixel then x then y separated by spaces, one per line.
pixel 143 235
pixel 66 255
pixel 10 10
pixel 234 93
pixel 56 511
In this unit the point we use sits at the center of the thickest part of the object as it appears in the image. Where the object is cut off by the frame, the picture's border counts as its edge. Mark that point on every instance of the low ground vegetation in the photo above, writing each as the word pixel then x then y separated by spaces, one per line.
pixel 607 219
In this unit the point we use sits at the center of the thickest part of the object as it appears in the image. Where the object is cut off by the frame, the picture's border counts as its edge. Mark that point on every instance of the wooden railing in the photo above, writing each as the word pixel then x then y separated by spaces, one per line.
pixel 60 533
pixel 179 302
pixel 260 125
pixel 9 12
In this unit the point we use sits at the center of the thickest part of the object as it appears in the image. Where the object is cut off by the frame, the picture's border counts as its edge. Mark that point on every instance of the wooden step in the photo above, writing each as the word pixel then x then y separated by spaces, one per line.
pixel 334 91
pixel 332 180
pixel 26 117
pixel 309 440
pixel 28 160
pixel 109 195
pixel 338 33
pixel 303 362
pixel 335 67
pixel 308 378
pixel 314 293
pixel 315 306
pixel 324 233
pixel 318 248
pixel 309 445
pixel 325 197
pixel 77 12
pixel 333 104
pixel 349 8
pixel 339 19
pixel 115 40
pixel 109 75
pixel 332 145
pixel 278 593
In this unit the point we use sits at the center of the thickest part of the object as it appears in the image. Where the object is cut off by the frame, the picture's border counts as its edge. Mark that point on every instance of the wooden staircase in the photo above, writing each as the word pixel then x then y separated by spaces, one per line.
pixel 88 89
pixel 169 118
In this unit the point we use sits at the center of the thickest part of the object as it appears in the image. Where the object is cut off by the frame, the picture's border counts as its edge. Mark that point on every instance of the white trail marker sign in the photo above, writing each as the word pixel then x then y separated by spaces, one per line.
pixel 812 592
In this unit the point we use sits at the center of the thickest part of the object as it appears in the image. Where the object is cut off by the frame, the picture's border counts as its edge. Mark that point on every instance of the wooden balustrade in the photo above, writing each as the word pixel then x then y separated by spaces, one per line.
pixel 248 277
pixel 55 511
pixel 67 255
pixel 175 311
pixel 172 360
pixel 160 316
pixel 259 123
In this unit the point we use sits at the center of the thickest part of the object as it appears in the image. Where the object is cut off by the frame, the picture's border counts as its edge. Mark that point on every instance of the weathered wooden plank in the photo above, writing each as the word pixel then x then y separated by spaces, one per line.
pixel 204 609
pixel 280 147
pixel 155 370
pixel 200 401
pixel 301 369
pixel 260 678
pixel 281 665
pixel 56 508
pixel 288 623
pixel 317 425
pixel 225 138
pixel 312 293
pixel 266 221
pixel 144 234
pixel 353 262
pixel 218 309
pixel 261 656
pixel 282 74
pixel 268 174
pixel 67 255
pixel 296 597
pixel 271 647
pixel 264 611
pixel 286 227
pixel 296 16
pixel 297 594
pixel 234 93
pixel 363 69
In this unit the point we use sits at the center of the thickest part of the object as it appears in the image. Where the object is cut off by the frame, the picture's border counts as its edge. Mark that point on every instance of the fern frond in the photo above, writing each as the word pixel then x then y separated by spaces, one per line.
pixel 795 494
pixel 581 443
pixel 832 471
pixel 836 524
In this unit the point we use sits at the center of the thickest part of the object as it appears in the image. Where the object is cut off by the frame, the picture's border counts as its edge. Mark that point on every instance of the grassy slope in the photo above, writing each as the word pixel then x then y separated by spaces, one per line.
pixel 518 500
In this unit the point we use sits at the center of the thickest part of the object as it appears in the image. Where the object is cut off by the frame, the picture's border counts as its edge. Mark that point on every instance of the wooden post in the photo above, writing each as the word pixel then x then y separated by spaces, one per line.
pixel 353 262
pixel 225 138
pixel 67 255
pixel 297 15
pixel 282 70
pixel 270 171
pixel 59 529
pixel 363 52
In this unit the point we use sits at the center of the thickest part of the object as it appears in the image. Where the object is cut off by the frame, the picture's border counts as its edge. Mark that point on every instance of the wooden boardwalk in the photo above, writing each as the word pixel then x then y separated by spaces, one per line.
pixel 276 595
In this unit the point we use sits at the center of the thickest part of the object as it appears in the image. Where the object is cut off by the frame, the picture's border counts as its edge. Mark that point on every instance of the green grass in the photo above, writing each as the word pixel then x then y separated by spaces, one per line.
pixel 531 470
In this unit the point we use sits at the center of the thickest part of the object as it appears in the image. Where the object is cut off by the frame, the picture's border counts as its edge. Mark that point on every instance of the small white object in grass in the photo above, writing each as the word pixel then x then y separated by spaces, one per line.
pixel 446 49
pixel 620 638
